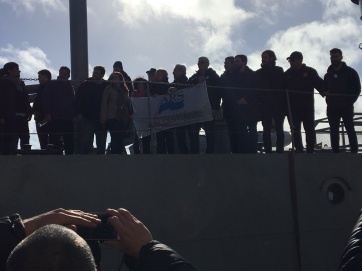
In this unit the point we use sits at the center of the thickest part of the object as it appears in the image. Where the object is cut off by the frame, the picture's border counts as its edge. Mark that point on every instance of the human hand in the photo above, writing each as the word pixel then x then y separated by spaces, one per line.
pixel 201 79
pixel 132 234
pixel 69 218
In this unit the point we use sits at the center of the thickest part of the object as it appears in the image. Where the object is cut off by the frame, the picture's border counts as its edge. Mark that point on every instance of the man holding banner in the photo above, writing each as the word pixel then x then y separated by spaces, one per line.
pixel 212 80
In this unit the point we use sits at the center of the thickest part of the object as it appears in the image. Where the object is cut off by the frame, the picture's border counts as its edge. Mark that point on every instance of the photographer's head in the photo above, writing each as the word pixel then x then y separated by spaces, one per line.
pixel 52 247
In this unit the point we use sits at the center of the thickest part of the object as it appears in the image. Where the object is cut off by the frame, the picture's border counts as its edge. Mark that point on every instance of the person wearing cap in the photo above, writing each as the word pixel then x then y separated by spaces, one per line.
pixel 270 78
pixel 301 81
pixel 151 74
pixel 343 87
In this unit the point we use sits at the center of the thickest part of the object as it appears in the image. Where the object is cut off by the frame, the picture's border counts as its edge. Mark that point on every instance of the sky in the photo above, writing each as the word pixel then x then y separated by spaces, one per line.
pixel 161 33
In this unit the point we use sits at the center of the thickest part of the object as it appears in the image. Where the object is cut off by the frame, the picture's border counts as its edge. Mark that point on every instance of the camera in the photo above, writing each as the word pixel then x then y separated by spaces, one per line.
pixel 102 232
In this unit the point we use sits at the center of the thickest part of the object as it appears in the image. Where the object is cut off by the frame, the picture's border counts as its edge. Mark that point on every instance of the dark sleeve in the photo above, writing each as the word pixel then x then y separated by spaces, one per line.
pixel 193 80
pixel 355 85
pixel 46 98
pixel 352 255
pixel 2 98
pixel 318 82
pixel 156 256
pixel 214 91
pixel 11 233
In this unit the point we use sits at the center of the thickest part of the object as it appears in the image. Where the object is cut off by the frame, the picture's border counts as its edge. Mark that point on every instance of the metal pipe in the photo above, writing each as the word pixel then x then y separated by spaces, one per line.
pixel 78 39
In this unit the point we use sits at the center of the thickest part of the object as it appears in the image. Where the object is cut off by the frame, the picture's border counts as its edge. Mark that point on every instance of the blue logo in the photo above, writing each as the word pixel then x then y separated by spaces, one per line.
pixel 171 102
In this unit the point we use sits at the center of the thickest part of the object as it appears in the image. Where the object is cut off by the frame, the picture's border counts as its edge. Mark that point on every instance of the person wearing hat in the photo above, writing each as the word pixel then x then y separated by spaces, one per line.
pixel 151 74
pixel 301 81
pixel 344 84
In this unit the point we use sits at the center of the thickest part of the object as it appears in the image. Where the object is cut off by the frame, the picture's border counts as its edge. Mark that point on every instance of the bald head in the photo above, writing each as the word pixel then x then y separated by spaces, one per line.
pixel 52 248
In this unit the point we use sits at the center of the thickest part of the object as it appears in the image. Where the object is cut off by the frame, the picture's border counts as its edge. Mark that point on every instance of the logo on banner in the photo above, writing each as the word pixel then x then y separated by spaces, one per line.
pixel 171 102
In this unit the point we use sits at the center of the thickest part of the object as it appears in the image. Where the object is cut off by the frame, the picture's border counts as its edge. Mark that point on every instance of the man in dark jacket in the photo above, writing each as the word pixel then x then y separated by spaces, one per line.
pixel 244 105
pixel 301 81
pixel 213 82
pixel 343 87
pixel 273 101
pixel 15 110
pixel 88 107
pixel 42 127
pixel 59 111
pixel 192 130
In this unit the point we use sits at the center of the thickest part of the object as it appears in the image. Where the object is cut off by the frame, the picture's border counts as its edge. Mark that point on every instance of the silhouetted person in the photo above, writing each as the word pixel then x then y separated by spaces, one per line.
pixel 192 130
pixel 213 83
pixel 301 81
pixel 140 90
pixel 273 100
pixel 15 110
pixel 42 127
pixel 114 107
pixel 165 138
pixel 343 87
pixel 88 107
pixel 59 111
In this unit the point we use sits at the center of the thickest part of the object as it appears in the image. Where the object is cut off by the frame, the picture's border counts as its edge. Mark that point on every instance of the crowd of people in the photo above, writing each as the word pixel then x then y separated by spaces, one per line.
pixel 68 119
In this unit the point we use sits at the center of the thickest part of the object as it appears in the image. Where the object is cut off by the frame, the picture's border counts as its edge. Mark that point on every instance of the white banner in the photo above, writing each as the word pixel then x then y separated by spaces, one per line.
pixel 186 106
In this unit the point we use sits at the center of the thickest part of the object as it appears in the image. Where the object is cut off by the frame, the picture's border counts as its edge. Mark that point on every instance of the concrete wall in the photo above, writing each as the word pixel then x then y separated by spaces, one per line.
pixel 222 212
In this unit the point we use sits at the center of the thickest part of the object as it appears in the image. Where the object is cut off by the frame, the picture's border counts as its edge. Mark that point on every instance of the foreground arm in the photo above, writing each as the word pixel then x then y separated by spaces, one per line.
pixel 136 240
pixel 352 255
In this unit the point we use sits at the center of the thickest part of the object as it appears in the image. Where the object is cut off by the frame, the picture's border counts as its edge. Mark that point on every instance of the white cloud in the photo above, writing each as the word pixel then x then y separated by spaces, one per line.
pixel 31 5
pixel 210 22
pixel 30 60
pixel 315 39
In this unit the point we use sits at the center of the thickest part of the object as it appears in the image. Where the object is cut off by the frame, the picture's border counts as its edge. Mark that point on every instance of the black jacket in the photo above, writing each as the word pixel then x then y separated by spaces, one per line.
pixel 89 97
pixel 11 234
pixel 301 84
pixel 244 84
pixel 156 256
pixel 180 82
pixel 344 82
pixel 272 78
pixel 159 88
pixel 213 84
pixel 13 98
